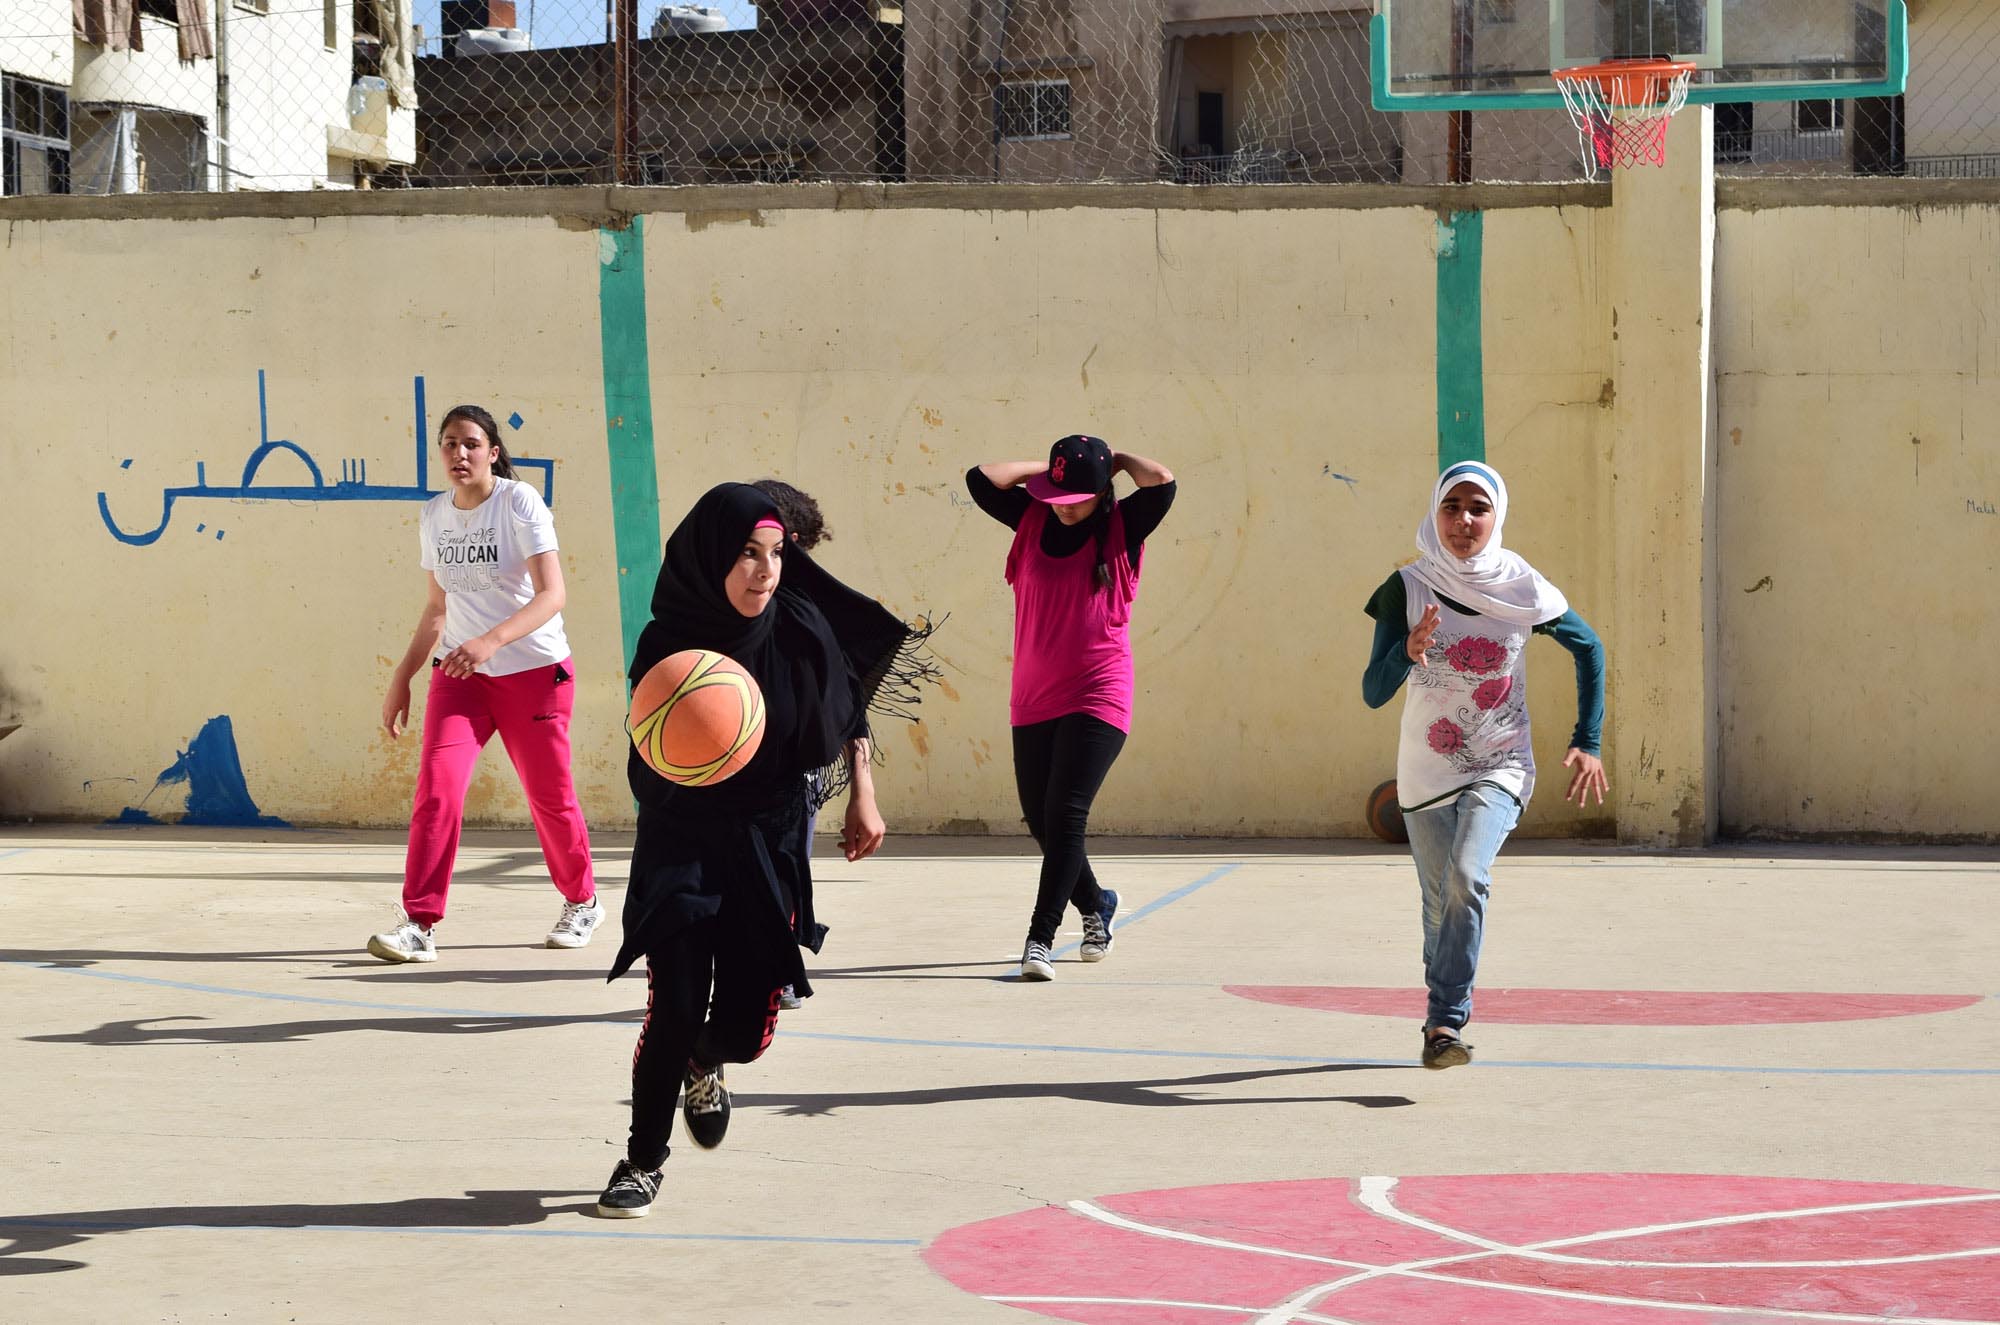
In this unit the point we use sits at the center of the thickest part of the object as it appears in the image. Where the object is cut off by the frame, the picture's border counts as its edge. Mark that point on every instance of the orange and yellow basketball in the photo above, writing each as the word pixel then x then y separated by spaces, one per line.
pixel 1385 818
pixel 697 717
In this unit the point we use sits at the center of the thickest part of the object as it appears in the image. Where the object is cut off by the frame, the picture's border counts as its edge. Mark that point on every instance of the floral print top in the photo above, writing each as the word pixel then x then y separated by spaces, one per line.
pixel 1465 716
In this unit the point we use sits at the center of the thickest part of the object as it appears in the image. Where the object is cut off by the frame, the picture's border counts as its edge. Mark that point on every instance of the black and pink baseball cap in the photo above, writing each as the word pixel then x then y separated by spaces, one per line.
pixel 1079 469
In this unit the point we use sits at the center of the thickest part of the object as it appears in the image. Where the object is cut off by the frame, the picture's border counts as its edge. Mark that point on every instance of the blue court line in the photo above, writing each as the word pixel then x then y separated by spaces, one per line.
pixel 1157 903
pixel 1004 1046
pixel 112 1226
pixel 17 851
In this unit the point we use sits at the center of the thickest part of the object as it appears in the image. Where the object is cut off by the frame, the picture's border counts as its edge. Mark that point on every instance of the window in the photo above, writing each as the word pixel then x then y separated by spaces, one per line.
pixel 168 10
pixel 1819 116
pixel 34 137
pixel 1209 124
pixel 1735 131
pixel 1029 112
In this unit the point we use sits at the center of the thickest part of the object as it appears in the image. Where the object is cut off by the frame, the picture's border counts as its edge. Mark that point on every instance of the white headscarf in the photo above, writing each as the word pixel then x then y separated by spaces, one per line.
pixel 1493 582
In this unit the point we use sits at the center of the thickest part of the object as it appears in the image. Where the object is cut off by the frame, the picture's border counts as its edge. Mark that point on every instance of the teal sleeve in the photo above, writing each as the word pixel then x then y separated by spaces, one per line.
pixel 1388 661
pixel 1574 633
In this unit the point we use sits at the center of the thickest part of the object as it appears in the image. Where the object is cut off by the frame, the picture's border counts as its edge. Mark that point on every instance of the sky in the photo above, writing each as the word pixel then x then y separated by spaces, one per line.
pixel 576 22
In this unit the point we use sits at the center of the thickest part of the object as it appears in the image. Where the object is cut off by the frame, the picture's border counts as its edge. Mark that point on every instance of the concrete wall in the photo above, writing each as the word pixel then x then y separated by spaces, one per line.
pixel 1858 384
pixel 152 77
pixel 35 40
pixel 1281 360
pixel 286 88
pixel 1277 348
pixel 956 53
pixel 1952 105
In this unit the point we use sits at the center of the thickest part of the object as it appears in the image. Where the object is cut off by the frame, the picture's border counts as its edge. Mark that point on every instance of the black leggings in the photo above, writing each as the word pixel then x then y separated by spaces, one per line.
pixel 684 1021
pixel 1058 767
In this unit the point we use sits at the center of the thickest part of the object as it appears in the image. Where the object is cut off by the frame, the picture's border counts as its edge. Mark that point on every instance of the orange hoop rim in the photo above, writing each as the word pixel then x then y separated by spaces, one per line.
pixel 1629 82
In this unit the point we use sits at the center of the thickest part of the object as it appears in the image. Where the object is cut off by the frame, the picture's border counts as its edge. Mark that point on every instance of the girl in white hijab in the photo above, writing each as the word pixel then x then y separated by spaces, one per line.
pixel 1455 624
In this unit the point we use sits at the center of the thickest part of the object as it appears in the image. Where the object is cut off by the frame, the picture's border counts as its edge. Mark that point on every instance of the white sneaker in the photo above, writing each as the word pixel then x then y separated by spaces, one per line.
pixel 1035 962
pixel 578 921
pixel 407 942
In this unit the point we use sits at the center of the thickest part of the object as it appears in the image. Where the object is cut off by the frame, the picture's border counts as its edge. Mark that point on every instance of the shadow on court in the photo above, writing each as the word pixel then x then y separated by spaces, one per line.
pixel 514 867
pixel 158 1030
pixel 30 1237
pixel 442 973
pixel 356 955
pixel 1147 1092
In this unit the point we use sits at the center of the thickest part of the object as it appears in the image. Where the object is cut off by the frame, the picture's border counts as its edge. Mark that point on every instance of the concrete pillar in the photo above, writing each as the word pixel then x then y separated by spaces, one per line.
pixel 1661 722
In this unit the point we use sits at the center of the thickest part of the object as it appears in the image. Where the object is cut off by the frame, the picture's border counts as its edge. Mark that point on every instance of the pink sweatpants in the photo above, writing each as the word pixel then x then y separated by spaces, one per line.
pixel 531 712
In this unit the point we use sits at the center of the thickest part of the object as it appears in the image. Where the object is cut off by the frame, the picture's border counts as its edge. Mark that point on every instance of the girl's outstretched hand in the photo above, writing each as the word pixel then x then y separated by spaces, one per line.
pixel 1588 777
pixel 1420 638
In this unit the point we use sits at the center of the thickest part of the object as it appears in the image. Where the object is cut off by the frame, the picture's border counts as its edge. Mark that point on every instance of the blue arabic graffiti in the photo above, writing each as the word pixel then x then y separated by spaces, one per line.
pixel 353 484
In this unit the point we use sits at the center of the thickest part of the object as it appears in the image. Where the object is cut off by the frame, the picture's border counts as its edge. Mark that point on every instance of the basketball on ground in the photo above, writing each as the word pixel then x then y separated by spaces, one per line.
pixel 1385 818
pixel 697 717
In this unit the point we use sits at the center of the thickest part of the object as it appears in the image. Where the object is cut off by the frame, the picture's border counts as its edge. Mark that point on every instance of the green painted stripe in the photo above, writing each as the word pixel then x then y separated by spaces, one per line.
pixel 1461 394
pixel 628 423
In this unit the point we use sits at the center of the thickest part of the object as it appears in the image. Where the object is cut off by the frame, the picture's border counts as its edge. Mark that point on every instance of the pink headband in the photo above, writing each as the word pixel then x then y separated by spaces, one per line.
pixel 769 522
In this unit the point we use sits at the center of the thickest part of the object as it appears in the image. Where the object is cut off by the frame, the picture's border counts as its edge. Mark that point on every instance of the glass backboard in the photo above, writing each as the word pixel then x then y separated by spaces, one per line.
pixel 1498 54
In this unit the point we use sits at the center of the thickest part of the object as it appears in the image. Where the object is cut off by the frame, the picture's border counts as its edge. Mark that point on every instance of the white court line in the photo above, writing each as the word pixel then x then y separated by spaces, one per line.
pixel 1018 1299
pixel 1294 1309
pixel 1116 1220
pixel 1375 1194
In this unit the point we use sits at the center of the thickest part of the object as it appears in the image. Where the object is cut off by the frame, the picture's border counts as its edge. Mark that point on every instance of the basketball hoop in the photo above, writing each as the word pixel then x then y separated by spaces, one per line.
pixel 1621 109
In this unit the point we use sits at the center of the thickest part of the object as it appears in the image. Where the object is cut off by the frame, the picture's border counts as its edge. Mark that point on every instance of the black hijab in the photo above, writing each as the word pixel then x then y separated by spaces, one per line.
pixel 820 652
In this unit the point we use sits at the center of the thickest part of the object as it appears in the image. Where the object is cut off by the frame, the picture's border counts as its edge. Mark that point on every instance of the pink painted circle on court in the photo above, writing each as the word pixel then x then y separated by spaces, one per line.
pixel 1499 1249
pixel 1614 1007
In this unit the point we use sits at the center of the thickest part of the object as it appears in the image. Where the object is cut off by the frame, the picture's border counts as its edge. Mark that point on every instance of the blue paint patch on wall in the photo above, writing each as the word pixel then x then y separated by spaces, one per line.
pixel 218 796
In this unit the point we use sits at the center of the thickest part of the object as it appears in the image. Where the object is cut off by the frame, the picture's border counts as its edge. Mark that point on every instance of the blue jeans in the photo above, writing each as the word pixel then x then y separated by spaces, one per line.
pixel 1454 844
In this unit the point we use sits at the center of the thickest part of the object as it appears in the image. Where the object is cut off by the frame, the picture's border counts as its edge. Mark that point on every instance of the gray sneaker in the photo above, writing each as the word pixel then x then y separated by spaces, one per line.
pixel 1097 928
pixel 578 921
pixel 407 942
pixel 1035 962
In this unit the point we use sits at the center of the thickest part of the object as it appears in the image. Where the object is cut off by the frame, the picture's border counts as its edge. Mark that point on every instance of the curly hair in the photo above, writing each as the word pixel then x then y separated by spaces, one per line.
pixel 801 514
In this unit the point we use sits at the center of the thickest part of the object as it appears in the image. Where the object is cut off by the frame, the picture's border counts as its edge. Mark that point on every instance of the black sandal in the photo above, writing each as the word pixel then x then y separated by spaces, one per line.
pixel 1443 1048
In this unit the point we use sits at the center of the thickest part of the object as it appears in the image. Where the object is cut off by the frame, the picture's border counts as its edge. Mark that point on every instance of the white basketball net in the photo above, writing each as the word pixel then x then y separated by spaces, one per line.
pixel 1621 120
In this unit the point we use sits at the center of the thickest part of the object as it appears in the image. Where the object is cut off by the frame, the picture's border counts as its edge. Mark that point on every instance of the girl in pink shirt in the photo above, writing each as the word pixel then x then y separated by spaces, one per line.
pixel 1074 567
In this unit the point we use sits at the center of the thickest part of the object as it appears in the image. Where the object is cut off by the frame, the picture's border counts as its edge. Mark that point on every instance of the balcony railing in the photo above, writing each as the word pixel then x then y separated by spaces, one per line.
pixel 1771 147
pixel 1975 165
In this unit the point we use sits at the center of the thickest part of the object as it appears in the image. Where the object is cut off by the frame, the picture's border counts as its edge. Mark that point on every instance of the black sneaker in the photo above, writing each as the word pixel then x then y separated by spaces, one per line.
pixel 630 1192
pixel 1097 928
pixel 705 1106
pixel 1443 1048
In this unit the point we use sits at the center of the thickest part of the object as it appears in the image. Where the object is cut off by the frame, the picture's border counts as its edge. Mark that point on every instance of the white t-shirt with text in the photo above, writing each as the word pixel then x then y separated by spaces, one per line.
pixel 480 558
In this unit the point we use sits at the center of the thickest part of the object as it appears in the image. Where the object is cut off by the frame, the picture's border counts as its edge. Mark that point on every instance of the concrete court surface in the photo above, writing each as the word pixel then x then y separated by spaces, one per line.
pixel 218 1107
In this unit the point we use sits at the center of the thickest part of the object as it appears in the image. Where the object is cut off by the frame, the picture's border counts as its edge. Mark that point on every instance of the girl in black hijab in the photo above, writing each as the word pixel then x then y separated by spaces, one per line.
pixel 720 897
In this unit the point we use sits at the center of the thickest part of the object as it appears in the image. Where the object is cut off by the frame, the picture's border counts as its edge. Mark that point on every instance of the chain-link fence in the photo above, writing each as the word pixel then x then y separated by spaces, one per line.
pixel 120 96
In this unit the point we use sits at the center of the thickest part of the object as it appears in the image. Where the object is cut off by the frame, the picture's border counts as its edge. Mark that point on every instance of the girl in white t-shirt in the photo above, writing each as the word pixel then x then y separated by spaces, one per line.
pixel 1456 623
pixel 492 631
